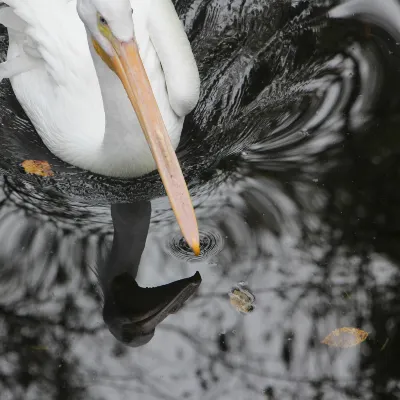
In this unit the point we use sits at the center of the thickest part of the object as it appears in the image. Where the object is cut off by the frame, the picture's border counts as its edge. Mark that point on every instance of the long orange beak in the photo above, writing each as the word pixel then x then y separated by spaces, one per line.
pixel 128 65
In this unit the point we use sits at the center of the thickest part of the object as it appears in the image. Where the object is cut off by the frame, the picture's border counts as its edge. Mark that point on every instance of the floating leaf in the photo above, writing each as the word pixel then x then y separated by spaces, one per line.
pixel 242 299
pixel 36 167
pixel 345 337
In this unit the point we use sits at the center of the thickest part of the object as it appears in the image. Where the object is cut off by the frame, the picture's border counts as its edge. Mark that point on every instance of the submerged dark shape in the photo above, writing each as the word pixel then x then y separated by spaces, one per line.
pixel 131 312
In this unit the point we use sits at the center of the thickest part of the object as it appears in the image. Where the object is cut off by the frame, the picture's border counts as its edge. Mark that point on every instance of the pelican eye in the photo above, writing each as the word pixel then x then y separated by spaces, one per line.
pixel 102 20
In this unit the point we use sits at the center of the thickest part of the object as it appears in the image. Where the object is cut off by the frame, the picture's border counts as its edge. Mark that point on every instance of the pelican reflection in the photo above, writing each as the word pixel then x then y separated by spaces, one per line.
pixel 131 312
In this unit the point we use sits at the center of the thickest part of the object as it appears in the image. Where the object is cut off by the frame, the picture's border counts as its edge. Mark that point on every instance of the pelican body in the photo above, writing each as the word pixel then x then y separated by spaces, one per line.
pixel 107 85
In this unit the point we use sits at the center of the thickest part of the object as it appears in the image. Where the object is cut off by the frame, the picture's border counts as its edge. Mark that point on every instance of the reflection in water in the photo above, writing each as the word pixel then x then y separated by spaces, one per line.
pixel 242 299
pixel 132 313
pixel 292 155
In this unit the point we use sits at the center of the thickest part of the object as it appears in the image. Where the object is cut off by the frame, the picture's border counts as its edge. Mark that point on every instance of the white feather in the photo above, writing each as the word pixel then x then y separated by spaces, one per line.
pixel 10 20
pixel 18 65
pixel 57 75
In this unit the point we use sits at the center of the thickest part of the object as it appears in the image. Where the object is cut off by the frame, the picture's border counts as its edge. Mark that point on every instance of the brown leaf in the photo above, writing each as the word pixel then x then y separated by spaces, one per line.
pixel 242 299
pixel 345 337
pixel 36 167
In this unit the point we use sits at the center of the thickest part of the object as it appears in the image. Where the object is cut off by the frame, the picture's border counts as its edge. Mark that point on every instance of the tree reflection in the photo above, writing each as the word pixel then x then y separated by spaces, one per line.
pixel 307 207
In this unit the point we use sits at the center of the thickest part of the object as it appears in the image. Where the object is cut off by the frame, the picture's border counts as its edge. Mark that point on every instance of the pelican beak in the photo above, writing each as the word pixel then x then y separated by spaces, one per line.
pixel 127 64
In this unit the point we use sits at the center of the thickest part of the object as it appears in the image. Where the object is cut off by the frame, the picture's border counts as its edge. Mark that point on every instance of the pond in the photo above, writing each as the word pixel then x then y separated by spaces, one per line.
pixel 292 160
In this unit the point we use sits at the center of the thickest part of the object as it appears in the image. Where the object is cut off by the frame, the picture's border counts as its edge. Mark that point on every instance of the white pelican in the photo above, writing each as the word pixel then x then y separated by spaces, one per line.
pixel 78 87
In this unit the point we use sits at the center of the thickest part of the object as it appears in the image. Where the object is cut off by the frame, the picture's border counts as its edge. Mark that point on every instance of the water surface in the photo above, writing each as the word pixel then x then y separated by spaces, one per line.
pixel 292 158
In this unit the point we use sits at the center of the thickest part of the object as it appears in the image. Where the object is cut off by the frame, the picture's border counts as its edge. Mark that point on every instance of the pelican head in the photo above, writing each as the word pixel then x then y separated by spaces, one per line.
pixel 108 22
pixel 110 25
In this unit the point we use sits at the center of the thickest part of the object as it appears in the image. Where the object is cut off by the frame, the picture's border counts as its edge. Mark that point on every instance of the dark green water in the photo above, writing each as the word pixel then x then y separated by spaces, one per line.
pixel 293 160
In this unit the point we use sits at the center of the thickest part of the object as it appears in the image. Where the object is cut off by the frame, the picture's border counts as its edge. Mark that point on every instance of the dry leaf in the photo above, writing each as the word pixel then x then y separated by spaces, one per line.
pixel 345 337
pixel 36 167
pixel 242 299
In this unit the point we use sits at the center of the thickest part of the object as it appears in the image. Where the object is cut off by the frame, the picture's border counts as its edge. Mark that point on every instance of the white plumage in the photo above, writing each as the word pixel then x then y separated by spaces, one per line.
pixel 109 95
pixel 60 92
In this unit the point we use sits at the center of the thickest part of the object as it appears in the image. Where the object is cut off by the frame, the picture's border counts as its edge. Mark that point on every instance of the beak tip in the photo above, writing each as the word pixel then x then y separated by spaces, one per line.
pixel 196 248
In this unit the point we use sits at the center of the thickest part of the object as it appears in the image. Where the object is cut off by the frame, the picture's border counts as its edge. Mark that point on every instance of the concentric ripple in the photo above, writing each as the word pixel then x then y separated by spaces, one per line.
pixel 211 243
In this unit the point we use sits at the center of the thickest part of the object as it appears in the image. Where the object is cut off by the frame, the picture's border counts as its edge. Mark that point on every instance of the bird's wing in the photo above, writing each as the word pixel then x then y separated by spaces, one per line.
pixel 9 19
pixel 18 65
pixel 16 27
pixel 47 30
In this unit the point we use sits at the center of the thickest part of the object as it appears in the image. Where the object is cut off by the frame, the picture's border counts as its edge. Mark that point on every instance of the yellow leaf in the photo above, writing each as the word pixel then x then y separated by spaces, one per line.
pixel 345 337
pixel 36 167
pixel 242 299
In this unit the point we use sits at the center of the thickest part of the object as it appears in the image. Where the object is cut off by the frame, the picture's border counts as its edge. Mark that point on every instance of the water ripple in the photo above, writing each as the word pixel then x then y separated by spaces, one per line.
pixel 211 243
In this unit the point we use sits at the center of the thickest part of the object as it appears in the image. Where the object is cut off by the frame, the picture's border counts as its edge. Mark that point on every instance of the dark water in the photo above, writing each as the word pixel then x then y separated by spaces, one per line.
pixel 292 157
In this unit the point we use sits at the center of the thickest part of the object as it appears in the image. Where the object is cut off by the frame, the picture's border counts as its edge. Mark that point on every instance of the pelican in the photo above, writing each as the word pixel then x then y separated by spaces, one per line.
pixel 107 85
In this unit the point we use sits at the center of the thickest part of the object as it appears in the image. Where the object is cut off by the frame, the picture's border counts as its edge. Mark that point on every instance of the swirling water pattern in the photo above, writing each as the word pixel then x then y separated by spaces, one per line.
pixel 292 159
